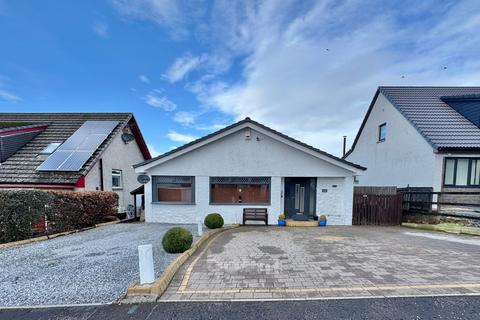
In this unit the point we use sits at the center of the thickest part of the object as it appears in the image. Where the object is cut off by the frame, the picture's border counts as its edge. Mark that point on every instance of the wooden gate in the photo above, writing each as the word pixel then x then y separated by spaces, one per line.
pixel 377 206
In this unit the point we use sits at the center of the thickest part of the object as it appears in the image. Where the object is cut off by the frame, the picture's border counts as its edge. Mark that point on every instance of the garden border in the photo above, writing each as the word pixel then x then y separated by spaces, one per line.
pixel 472 231
pixel 53 236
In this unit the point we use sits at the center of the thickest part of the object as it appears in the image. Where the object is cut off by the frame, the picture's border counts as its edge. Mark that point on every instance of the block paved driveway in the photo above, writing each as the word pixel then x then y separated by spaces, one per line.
pixel 297 263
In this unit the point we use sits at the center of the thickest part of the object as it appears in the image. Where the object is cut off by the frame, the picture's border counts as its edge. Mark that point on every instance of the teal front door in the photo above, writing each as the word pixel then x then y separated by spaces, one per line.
pixel 300 197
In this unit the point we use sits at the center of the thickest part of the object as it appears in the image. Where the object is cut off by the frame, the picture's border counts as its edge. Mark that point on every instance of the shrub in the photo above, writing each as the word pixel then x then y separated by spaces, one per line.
pixel 177 240
pixel 213 221
pixel 323 217
pixel 75 210
pixel 281 216
pixel 19 210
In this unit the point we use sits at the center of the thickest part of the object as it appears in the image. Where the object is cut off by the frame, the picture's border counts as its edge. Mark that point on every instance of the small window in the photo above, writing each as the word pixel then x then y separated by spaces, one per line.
pixel 116 179
pixel 449 178
pixel 50 148
pixel 173 189
pixel 462 172
pixel 475 172
pixel 382 132
pixel 245 190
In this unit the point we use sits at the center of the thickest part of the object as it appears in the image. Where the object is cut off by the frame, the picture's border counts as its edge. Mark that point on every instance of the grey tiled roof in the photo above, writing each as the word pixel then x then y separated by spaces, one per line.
pixel 21 167
pixel 441 125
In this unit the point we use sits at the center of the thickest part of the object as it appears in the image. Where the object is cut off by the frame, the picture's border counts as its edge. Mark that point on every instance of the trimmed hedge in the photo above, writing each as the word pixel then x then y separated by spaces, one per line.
pixel 213 221
pixel 20 210
pixel 177 240
pixel 75 210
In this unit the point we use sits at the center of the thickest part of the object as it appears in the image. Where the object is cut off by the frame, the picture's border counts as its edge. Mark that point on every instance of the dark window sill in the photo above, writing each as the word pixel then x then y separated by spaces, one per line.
pixel 462 187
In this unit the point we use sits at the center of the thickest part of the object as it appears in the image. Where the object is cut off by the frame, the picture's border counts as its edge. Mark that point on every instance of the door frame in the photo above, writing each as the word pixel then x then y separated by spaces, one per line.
pixel 314 194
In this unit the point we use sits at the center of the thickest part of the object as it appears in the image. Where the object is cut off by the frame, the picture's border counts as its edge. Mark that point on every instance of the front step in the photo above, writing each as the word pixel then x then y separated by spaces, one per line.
pixel 309 223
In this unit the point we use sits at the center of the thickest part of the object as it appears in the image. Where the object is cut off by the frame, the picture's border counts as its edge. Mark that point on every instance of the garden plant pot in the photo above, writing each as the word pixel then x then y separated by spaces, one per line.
pixel 281 223
pixel 322 223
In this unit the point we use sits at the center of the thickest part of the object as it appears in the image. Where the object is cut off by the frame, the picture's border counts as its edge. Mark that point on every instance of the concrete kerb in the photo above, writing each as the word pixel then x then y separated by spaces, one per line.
pixel 158 287
pixel 448 229
pixel 53 236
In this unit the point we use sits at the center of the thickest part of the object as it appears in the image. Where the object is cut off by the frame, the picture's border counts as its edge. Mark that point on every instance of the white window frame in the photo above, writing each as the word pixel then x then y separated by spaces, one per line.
pixel 117 173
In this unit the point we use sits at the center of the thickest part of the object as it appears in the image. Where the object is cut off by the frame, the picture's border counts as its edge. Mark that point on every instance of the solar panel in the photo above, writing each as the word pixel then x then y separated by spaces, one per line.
pixel 79 147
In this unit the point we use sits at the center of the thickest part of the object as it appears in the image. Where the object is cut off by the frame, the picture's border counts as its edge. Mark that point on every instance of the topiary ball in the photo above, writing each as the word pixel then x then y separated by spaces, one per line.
pixel 323 217
pixel 213 221
pixel 177 240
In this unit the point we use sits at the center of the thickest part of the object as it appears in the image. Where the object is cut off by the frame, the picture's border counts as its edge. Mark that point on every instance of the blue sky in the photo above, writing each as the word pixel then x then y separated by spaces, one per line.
pixel 187 68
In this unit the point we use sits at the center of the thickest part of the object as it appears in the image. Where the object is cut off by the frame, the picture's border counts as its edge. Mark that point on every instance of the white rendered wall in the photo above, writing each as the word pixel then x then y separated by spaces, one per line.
pixel 233 155
pixel 118 155
pixel 404 158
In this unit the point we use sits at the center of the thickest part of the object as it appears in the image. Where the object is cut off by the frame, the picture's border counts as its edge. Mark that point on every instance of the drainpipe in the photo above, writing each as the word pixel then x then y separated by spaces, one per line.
pixel 344 145
pixel 100 166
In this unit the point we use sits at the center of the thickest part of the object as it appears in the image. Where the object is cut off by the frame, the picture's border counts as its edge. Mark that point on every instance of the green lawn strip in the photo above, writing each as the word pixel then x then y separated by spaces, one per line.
pixel 445 227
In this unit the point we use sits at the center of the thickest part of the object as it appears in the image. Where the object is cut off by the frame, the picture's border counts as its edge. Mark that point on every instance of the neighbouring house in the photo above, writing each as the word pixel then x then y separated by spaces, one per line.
pixel 247 165
pixel 71 151
pixel 422 137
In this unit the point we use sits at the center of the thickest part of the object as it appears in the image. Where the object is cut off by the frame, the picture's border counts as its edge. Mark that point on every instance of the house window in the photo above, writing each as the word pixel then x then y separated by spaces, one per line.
pixel 117 179
pixel 173 189
pixel 475 172
pixel 236 190
pixel 382 132
pixel 462 172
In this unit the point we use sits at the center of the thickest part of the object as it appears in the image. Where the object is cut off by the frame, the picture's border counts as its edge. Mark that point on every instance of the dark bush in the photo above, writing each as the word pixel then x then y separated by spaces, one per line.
pixel 75 210
pixel 213 221
pixel 177 240
pixel 22 209
pixel 19 210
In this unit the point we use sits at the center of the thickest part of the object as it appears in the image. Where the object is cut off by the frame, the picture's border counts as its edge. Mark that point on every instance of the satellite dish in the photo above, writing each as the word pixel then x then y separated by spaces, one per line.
pixel 143 179
pixel 127 137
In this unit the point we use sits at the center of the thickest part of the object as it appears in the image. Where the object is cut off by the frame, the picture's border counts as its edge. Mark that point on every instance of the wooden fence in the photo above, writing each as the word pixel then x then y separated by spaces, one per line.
pixel 377 206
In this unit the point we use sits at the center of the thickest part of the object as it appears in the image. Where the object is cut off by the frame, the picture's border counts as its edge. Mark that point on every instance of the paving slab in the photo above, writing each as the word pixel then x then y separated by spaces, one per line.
pixel 345 261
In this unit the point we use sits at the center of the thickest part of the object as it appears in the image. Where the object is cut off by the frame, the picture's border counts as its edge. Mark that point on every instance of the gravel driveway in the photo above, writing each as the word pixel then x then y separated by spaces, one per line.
pixel 94 266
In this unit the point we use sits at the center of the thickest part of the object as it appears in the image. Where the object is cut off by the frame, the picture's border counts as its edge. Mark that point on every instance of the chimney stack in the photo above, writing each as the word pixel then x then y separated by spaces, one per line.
pixel 344 145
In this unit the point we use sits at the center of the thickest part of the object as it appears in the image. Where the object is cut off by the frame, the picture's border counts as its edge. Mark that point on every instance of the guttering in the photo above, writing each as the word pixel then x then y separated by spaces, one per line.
pixel 18 130
pixel 37 186
pixel 80 184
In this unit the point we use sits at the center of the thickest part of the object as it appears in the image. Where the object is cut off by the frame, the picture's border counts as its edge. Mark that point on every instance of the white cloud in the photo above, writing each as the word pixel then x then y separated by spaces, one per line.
pixel 180 137
pixel 143 78
pixel 182 66
pixel 157 101
pixel 9 96
pixel 212 127
pixel 153 150
pixel 166 13
pixel 101 29
pixel 310 70
pixel 183 117
pixel 294 84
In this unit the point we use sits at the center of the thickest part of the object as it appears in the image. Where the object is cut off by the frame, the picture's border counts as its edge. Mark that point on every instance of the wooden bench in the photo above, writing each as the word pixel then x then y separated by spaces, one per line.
pixel 255 214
